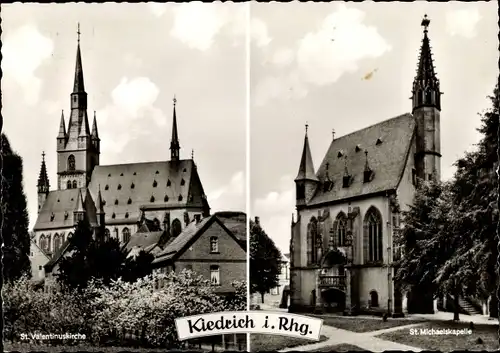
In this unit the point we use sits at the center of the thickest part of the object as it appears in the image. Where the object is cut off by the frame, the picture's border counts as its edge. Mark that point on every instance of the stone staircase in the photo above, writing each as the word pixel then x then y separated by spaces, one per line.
pixel 468 307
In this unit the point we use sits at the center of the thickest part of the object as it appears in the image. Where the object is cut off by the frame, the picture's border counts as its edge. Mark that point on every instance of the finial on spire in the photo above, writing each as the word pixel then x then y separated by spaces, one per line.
pixel 425 23
pixel 307 126
pixel 175 100
pixel 78 32
pixel 192 154
pixel 43 156
pixel 333 134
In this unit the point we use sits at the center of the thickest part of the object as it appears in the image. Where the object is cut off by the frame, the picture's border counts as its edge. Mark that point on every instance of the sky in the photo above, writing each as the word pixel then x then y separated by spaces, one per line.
pixel 346 66
pixel 135 58
pixel 341 66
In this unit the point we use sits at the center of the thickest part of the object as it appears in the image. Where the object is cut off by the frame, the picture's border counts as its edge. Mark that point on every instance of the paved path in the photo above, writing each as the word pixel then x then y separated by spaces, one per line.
pixel 445 316
pixel 364 340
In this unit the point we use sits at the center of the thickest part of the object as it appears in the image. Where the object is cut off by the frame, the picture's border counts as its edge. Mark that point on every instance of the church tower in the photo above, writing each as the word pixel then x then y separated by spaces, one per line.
pixel 43 184
pixel 77 148
pixel 306 180
pixel 426 99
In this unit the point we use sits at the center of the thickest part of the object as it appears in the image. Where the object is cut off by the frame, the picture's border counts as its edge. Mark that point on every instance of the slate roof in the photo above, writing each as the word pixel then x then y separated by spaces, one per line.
pixel 57 210
pixel 388 144
pixel 132 187
pixel 236 222
pixel 306 168
pixel 144 240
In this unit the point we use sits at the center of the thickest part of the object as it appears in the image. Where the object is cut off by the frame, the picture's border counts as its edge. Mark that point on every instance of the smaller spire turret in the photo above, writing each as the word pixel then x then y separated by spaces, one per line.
pixel 43 179
pixel 174 143
pixel 79 212
pixel 95 133
pixel 306 168
pixel 62 127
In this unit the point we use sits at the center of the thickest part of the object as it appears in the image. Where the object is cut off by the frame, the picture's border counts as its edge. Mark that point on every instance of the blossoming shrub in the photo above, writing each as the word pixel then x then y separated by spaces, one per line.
pixel 140 311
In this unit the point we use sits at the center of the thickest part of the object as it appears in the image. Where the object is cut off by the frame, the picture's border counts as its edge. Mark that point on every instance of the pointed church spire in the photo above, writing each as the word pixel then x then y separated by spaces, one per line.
pixel 62 126
pixel 306 168
pixel 79 202
pixel 174 143
pixel 78 85
pixel 95 134
pixel 43 179
pixel 100 203
pixel 426 84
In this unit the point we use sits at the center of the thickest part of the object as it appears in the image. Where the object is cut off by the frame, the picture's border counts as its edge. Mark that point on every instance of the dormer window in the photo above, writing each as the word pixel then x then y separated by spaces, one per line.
pixel 106 187
pixel 157 172
pixel 126 215
pixel 113 215
pixel 66 215
pixel 346 181
pixel 119 187
pixel 132 185
pixel 121 174
pixel 184 170
pixel 116 202
pixel 327 185
pixel 340 154
pixel 135 173
pixel 379 141
pixel 358 148
pixel 367 176
pixel 103 202
pixel 109 175
pixel 129 201
pixel 168 182
pixel 165 199
pixel 182 182
pixel 152 199
pixel 52 216
pixel 155 183
pixel 180 197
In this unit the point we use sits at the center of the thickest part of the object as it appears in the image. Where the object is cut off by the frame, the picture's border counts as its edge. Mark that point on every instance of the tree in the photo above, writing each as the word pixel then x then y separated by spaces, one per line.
pixel 265 261
pixel 99 259
pixel 450 237
pixel 16 239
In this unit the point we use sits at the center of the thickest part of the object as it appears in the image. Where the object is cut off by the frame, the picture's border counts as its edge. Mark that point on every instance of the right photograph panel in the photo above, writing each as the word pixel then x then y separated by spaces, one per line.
pixel 373 187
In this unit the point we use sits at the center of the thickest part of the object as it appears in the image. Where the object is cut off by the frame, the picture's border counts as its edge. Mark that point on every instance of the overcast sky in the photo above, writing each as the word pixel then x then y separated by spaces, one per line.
pixel 362 77
pixel 135 58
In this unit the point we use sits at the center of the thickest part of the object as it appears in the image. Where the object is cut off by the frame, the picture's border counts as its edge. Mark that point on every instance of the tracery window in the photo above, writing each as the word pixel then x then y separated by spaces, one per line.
pixel 341 229
pixel 312 237
pixel 373 236
pixel 125 235
pixel 71 163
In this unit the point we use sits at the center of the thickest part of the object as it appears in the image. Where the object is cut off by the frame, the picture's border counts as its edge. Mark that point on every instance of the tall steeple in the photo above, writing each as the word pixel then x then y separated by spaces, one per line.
pixel 95 133
pixel 426 108
pixel 174 143
pixel 306 181
pixel 425 90
pixel 78 85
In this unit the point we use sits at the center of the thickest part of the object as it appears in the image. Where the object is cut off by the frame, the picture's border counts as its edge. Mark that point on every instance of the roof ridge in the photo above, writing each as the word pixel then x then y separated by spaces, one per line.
pixel 150 162
pixel 374 125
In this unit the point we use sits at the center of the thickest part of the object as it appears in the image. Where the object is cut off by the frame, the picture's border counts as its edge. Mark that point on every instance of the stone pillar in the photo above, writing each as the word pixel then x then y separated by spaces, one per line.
pixel 348 292
pixel 318 301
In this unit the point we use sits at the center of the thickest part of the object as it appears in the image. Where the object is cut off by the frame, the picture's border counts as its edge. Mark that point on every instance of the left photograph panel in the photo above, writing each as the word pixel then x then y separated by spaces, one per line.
pixel 123 173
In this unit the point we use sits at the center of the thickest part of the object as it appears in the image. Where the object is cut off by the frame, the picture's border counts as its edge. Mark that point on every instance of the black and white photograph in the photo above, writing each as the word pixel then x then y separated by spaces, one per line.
pixel 373 180
pixel 123 173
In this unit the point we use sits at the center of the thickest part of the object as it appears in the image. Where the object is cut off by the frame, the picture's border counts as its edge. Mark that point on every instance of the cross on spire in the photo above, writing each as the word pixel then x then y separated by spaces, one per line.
pixel 174 100
pixel 78 32
pixel 43 155
pixel 333 133
pixel 425 23
pixel 192 154
pixel 307 126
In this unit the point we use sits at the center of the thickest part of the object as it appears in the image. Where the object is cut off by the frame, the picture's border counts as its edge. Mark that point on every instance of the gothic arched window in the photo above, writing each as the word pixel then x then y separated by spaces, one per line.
pixel 126 234
pixel 75 185
pixel 43 242
pixel 57 242
pixel 176 227
pixel 372 240
pixel 341 229
pixel 312 235
pixel 71 163
pixel 68 184
pixel 107 233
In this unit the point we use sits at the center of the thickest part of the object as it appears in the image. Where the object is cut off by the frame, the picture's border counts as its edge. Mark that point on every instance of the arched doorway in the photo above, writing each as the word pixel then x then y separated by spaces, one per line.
pixel 333 300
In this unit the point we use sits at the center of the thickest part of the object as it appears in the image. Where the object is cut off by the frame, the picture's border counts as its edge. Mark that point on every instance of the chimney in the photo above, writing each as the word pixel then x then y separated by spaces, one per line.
pixel 257 221
pixel 197 218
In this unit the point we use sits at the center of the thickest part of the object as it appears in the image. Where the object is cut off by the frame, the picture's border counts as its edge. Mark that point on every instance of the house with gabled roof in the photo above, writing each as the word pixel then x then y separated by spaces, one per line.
pixel 348 210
